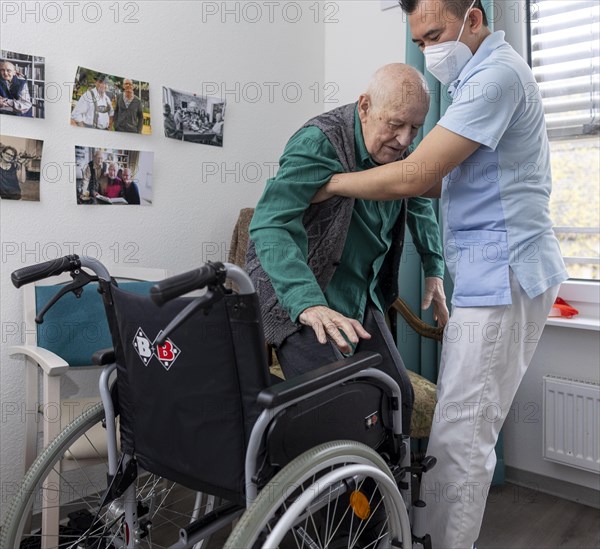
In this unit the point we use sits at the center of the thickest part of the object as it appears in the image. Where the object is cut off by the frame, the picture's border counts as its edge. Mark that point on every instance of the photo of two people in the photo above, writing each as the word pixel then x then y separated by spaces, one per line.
pixel 107 102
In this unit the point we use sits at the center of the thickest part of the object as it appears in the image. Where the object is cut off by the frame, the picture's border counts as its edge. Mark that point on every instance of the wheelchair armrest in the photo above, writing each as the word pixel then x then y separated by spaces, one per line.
pixel 103 357
pixel 316 379
pixel 51 364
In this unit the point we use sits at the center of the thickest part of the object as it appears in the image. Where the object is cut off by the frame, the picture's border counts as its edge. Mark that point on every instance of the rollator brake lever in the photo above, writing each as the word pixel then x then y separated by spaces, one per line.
pixel 204 302
pixel 80 279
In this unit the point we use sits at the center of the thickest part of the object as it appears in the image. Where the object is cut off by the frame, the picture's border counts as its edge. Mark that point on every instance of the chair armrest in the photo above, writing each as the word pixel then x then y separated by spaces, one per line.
pixel 419 326
pixel 51 363
pixel 103 357
pixel 316 379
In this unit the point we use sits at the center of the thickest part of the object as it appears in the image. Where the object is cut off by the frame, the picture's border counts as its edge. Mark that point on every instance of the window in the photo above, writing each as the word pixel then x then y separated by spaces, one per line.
pixel 564 55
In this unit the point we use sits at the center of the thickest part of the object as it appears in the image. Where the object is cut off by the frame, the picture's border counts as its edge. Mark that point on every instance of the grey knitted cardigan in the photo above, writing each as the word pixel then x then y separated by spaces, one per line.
pixel 326 226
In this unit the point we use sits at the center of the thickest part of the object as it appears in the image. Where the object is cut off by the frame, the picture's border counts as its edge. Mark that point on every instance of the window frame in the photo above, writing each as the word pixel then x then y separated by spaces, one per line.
pixel 524 47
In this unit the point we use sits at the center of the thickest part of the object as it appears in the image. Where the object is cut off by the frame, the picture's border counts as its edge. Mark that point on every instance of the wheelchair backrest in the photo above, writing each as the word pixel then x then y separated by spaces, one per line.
pixel 188 406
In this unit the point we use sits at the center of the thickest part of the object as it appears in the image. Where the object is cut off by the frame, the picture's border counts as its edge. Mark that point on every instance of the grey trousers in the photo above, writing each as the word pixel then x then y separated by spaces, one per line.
pixel 301 352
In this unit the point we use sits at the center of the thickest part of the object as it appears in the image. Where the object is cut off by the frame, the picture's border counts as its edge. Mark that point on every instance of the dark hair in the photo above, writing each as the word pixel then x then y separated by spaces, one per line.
pixel 455 7
pixel 8 147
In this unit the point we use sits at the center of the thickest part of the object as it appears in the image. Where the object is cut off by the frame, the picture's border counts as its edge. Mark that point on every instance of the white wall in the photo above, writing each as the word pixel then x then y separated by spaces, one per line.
pixel 198 190
pixel 360 38
pixel 569 352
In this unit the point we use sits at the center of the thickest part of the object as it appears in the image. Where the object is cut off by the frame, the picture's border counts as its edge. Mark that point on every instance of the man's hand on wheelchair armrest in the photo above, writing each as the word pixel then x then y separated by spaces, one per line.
pixel 319 378
pixel 327 323
pixel 434 292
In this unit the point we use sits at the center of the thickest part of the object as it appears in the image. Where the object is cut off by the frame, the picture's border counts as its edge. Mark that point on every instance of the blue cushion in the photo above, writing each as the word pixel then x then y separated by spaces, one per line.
pixel 75 328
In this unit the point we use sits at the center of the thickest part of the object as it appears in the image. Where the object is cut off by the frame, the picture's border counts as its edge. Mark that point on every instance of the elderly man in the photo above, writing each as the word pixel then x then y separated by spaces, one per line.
pixel 504 258
pixel 131 192
pixel 322 268
pixel 92 173
pixel 14 93
pixel 129 116
pixel 94 108
pixel 171 129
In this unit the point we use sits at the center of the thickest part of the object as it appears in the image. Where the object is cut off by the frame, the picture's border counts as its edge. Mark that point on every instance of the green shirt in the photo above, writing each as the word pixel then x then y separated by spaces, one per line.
pixel 308 162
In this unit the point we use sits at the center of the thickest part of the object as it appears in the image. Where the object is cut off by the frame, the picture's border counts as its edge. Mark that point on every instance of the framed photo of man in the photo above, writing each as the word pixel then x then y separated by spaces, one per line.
pixel 22 80
pixel 107 102
pixel 20 168
pixel 194 118
pixel 113 176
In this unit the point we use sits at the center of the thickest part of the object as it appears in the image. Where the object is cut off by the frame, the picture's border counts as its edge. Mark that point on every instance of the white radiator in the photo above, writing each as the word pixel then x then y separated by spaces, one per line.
pixel 572 422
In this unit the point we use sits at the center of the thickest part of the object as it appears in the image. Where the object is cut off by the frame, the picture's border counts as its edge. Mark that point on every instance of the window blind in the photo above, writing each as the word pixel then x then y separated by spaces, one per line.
pixel 565 39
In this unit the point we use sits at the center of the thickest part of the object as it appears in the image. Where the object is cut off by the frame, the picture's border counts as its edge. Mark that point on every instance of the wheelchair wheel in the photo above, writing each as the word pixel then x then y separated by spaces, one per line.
pixel 337 495
pixel 58 502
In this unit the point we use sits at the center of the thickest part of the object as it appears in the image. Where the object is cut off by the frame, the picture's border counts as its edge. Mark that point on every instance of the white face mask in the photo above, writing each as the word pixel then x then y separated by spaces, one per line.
pixel 446 60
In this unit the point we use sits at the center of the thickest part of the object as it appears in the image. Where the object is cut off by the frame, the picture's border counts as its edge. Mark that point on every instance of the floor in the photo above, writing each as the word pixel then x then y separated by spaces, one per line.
pixel 521 518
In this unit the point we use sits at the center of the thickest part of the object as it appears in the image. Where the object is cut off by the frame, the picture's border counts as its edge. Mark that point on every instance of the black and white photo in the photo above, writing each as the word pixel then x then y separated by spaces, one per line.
pixel 20 163
pixel 194 118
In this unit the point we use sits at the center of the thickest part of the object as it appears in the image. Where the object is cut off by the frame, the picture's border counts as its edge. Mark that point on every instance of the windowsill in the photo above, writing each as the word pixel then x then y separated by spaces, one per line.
pixel 585 297
pixel 579 322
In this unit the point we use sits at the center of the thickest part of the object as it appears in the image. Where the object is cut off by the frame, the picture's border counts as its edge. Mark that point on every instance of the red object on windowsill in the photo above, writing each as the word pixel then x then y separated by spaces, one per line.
pixel 563 309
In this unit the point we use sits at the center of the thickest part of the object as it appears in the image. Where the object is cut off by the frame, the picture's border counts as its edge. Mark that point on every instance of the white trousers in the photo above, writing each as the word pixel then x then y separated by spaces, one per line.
pixel 485 353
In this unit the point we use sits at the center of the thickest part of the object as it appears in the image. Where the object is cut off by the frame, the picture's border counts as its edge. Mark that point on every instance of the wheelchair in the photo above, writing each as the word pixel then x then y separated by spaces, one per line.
pixel 193 435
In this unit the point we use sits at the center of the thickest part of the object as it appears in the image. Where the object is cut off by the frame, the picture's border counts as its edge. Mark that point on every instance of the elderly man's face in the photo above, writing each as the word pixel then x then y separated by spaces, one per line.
pixel 388 130
pixel 7 71
pixel 127 176
pixel 98 158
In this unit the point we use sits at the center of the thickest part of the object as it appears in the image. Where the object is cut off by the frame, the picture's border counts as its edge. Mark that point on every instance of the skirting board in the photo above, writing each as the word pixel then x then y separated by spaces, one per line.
pixel 560 488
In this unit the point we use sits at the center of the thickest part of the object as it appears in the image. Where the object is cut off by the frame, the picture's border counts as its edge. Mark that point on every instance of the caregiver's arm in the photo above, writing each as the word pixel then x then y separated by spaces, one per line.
pixel 437 155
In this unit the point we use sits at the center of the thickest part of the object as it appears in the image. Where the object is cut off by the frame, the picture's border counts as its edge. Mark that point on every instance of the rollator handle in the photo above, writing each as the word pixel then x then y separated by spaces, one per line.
pixel 210 275
pixel 33 273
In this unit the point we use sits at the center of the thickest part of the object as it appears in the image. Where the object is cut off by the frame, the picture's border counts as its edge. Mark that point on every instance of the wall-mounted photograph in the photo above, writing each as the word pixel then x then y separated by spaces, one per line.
pixel 194 118
pixel 113 176
pixel 22 79
pixel 107 102
pixel 20 167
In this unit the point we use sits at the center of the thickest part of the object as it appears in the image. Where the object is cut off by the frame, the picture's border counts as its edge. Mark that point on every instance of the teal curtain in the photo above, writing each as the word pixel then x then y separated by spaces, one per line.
pixel 419 354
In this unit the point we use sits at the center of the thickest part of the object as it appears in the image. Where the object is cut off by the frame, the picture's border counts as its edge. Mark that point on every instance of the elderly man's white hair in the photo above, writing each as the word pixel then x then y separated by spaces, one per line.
pixel 394 84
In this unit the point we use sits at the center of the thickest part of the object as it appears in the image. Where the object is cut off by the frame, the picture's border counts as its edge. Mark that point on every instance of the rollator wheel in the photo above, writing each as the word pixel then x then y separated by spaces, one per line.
pixel 338 494
pixel 57 504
